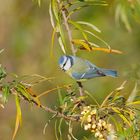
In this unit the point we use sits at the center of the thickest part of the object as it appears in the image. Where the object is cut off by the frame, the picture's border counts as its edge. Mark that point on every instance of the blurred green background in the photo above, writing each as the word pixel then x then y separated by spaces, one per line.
pixel 25 34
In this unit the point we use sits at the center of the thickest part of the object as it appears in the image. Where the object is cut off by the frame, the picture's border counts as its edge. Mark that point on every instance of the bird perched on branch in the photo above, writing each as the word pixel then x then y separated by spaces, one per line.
pixel 81 69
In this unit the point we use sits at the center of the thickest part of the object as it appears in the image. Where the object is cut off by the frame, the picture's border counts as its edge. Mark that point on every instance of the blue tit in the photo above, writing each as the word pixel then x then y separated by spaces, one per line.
pixel 81 69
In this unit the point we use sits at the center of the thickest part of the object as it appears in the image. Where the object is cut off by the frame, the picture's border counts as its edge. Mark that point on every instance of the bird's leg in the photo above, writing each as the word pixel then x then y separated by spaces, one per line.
pixel 81 92
pixel 80 88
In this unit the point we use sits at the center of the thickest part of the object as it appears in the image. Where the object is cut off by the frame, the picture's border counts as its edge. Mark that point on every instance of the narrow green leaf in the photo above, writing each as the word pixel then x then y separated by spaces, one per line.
pixel 75 10
pixel 23 91
pixel 32 80
pixel 85 4
pixel 90 25
pixel 55 9
pixel 56 135
pixel 60 96
pixel 59 128
pixel 115 122
pixel 3 73
pixel 91 96
pixel 96 2
pixel 133 94
pixel 77 26
pixel 61 38
pixel 117 13
pixel 70 131
pixel 124 19
pixel 38 2
pixel 133 103
pixel 89 32
pixel 85 138
pixel 61 44
pixel 115 91
pixel 93 44
pixel 51 15
pixel 121 116
pixel 48 122
pixel 5 94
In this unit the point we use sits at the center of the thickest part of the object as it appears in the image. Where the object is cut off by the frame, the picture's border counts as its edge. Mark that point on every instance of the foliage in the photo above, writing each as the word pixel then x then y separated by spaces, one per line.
pixel 101 120
pixel 127 11
pixel 61 14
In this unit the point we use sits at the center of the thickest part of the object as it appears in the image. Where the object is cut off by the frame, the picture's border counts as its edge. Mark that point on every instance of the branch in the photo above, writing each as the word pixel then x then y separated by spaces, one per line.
pixel 69 117
pixel 58 114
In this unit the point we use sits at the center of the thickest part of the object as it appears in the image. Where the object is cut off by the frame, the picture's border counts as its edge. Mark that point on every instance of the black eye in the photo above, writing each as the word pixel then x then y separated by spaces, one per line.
pixel 64 64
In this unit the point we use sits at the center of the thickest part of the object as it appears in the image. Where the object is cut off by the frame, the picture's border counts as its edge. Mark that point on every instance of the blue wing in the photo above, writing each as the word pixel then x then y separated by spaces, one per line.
pixel 91 73
pixel 87 70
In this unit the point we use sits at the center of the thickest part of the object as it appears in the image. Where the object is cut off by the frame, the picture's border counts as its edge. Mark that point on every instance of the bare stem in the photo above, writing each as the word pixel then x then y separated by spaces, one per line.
pixel 60 114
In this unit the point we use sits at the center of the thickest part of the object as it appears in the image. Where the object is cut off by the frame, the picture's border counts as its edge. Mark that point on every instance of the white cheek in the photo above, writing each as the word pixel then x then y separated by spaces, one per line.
pixel 68 65
pixel 61 66
pixel 65 58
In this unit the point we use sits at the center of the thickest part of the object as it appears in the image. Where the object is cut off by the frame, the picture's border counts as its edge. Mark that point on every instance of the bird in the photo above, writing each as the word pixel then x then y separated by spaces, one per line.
pixel 81 69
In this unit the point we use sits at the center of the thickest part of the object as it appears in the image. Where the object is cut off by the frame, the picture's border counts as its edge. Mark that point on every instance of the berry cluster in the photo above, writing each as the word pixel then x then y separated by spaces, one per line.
pixel 94 123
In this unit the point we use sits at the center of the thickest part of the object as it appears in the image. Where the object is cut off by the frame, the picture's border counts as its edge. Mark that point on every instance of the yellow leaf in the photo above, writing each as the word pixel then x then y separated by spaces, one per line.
pixel 85 45
pixel 22 89
pixel 82 43
pixel 106 50
pixel 133 103
pixel 30 91
pixel 18 117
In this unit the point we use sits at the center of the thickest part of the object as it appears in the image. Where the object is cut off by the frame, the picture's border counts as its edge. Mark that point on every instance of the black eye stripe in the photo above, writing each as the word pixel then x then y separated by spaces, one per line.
pixel 68 58
pixel 65 62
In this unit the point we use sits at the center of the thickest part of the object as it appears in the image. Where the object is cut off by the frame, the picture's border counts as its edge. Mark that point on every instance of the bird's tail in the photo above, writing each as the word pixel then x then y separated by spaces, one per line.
pixel 108 72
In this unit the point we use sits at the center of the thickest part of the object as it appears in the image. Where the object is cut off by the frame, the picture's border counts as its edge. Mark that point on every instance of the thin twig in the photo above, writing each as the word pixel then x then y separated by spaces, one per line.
pixel 59 114
pixel 50 90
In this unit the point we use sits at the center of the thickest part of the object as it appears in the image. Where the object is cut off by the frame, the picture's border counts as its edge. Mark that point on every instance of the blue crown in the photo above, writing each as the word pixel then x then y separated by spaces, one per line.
pixel 61 59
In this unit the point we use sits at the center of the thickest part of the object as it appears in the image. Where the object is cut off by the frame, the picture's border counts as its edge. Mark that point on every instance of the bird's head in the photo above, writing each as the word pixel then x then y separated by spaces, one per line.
pixel 66 62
